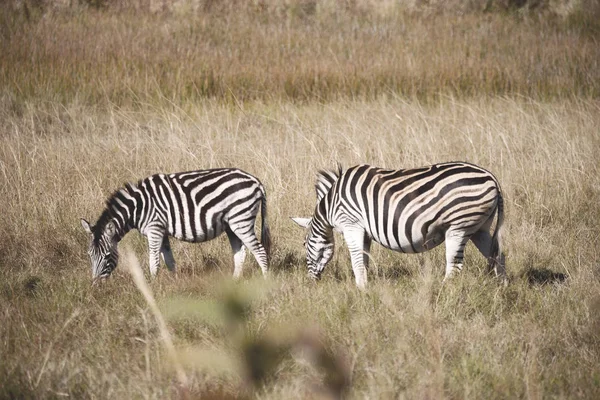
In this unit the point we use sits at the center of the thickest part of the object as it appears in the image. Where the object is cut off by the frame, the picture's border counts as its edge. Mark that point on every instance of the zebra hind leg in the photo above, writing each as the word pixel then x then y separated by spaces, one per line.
pixel 484 243
pixel 239 253
pixel 167 254
pixel 244 230
pixel 455 246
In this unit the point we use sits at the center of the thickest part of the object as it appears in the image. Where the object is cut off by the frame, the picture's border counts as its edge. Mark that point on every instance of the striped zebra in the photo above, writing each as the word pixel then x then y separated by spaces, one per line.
pixel 194 206
pixel 407 210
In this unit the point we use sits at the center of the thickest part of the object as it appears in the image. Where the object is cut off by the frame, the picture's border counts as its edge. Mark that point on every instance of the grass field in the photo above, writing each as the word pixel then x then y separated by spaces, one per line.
pixel 281 92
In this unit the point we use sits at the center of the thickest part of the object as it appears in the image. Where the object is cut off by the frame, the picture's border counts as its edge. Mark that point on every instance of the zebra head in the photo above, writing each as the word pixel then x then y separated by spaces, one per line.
pixel 102 249
pixel 319 246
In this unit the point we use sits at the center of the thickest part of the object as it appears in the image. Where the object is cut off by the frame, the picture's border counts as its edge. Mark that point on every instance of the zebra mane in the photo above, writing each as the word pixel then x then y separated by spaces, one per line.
pixel 325 180
pixel 110 212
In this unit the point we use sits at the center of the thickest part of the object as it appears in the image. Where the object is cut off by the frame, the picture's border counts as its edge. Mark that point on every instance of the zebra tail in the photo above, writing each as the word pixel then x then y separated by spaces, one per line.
pixel 265 235
pixel 496 254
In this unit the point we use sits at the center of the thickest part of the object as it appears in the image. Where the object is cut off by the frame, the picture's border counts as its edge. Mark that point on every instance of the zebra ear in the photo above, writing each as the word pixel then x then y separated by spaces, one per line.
pixel 86 226
pixel 303 222
pixel 110 229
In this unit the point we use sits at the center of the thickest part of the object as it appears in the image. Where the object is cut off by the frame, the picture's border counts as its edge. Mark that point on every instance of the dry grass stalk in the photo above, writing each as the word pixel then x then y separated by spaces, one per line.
pixel 133 266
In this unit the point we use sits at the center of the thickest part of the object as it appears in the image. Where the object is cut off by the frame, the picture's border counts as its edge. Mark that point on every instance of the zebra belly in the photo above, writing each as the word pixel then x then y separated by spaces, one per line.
pixel 211 233
pixel 416 244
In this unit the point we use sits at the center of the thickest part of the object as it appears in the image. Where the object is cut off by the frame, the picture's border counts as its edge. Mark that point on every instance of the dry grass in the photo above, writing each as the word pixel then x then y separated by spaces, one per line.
pixel 406 336
pixel 76 122
pixel 131 58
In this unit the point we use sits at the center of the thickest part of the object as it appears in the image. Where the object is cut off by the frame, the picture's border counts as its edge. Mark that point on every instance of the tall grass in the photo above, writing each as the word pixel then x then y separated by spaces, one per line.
pixel 408 336
pixel 91 98
pixel 296 51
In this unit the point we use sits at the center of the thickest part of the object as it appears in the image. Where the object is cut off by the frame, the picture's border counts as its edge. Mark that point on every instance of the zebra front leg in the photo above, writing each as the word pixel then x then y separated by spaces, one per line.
pixel 239 253
pixel 245 232
pixel 167 254
pixel 155 242
pixel 455 247
pixel 355 240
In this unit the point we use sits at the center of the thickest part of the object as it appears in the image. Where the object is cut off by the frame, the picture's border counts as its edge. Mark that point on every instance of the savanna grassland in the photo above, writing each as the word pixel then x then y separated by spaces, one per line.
pixel 94 94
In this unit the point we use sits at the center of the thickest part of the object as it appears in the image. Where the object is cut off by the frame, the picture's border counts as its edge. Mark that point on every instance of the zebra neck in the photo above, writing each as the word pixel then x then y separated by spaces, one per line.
pixel 322 227
pixel 321 218
pixel 122 229
pixel 121 210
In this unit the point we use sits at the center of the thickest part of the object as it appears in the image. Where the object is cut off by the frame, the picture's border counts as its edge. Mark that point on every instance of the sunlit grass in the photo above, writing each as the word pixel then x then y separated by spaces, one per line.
pixel 93 98
pixel 280 52
pixel 409 335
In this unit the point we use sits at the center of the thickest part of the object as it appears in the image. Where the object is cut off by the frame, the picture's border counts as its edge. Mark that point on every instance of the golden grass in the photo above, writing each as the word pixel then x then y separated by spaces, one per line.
pixel 78 120
pixel 406 336
pixel 132 58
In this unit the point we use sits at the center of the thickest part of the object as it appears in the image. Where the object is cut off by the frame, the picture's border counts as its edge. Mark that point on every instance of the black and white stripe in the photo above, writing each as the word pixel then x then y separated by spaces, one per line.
pixel 194 206
pixel 409 210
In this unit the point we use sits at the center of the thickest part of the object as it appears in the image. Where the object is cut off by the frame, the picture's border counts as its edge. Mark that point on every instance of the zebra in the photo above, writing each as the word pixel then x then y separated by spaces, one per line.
pixel 406 210
pixel 194 206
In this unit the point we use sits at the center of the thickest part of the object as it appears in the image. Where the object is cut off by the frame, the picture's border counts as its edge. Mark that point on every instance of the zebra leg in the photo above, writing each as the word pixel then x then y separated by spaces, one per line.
pixel 355 240
pixel 167 254
pixel 455 247
pixel 483 241
pixel 244 230
pixel 239 253
pixel 366 251
pixel 155 242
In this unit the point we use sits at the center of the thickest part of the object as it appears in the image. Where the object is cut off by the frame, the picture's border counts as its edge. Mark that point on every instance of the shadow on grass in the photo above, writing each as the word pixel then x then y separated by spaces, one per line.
pixel 544 276
pixel 395 271
pixel 290 261
pixel 211 263
pixel 31 285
